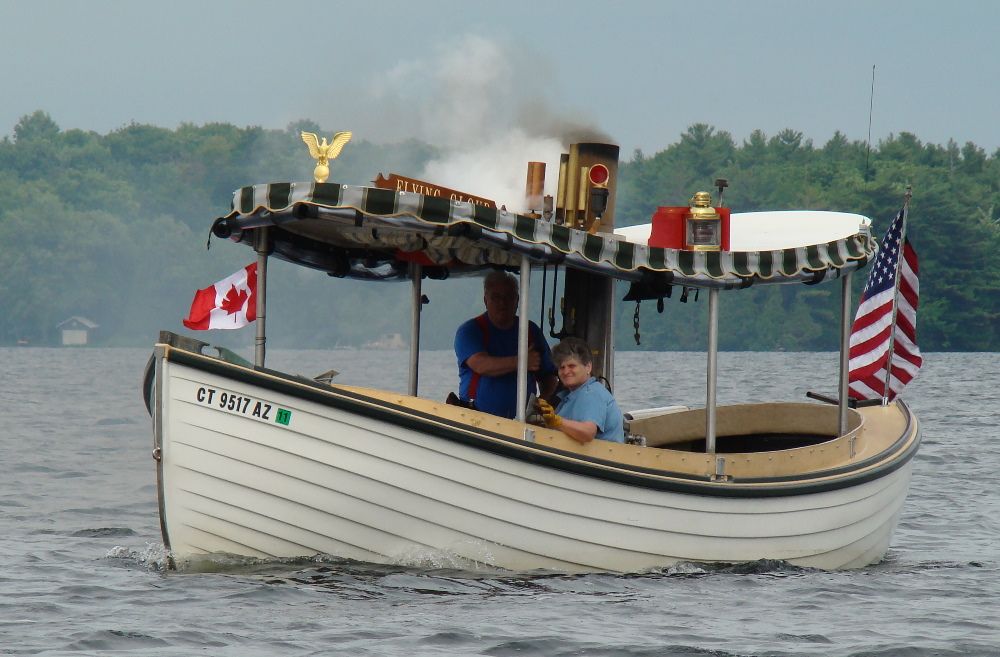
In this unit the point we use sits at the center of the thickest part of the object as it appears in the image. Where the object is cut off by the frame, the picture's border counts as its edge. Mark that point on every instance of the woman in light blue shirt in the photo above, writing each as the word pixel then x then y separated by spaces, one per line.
pixel 586 409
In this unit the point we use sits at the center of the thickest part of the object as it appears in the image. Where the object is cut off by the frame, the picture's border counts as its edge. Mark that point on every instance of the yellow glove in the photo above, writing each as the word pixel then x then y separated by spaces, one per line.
pixel 552 421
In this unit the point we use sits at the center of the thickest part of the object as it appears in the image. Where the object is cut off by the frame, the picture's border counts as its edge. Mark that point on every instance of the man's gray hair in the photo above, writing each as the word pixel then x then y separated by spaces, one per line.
pixel 498 278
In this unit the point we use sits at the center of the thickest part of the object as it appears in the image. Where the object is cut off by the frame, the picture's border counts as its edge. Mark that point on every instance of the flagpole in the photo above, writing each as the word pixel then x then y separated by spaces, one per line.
pixel 895 295
pixel 262 246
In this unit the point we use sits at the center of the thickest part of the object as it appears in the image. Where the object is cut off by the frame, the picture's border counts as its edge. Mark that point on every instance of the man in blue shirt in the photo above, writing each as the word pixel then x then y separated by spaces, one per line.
pixel 586 409
pixel 486 349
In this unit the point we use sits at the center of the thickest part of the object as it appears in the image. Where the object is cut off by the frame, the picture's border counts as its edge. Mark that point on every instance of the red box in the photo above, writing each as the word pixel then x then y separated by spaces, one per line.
pixel 667 230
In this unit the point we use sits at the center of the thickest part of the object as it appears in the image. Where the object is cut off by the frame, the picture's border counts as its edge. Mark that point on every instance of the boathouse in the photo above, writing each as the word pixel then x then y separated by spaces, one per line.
pixel 76 331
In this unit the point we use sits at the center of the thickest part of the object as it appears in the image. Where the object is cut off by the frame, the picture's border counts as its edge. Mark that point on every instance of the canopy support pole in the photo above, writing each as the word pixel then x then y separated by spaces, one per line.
pixel 263 247
pixel 522 339
pixel 845 352
pixel 416 276
pixel 713 368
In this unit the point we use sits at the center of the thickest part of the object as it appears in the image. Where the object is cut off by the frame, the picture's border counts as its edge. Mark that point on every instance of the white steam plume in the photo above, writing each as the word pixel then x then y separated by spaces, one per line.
pixel 483 107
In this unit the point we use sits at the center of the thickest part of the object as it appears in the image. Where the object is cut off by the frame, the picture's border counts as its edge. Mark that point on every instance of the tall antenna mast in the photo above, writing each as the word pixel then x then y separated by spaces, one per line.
pixel 871 105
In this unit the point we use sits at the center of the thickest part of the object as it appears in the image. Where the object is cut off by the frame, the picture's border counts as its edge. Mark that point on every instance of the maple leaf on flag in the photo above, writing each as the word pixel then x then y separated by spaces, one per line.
pixel 227 304
pixel 234 301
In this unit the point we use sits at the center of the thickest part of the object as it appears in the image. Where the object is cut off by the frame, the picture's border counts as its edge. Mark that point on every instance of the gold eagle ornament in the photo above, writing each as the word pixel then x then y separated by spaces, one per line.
pixel 324 152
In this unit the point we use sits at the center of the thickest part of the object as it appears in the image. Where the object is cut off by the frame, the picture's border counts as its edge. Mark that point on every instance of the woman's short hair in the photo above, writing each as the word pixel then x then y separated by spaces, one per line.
pixel 572 348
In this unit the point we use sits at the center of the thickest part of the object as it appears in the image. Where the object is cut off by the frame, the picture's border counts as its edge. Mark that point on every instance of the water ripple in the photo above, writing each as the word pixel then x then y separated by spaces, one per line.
pixel 84 570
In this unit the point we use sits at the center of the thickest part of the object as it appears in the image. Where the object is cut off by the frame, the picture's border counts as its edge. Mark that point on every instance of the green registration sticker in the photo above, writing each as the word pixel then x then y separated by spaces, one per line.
pixel 284 416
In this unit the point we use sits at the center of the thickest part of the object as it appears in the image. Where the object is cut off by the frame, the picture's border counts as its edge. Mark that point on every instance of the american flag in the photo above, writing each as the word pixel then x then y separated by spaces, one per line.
pixel 873 335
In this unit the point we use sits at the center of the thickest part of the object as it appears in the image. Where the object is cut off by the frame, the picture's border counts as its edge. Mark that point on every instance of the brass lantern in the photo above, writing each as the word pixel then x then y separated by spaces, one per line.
pixel 702 225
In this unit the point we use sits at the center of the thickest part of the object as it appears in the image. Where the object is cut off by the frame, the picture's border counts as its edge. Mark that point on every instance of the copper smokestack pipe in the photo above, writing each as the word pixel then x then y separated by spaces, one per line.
pixel 535 186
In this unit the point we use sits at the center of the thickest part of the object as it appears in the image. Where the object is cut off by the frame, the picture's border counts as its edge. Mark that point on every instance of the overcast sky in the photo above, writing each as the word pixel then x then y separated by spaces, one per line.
pixel 640 72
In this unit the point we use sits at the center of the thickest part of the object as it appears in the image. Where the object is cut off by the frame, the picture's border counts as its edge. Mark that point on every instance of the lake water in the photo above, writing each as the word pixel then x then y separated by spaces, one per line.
pixel 82 567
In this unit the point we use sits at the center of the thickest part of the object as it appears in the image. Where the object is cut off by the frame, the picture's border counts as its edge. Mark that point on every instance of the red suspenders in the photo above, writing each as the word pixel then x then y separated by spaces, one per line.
pixel 484 326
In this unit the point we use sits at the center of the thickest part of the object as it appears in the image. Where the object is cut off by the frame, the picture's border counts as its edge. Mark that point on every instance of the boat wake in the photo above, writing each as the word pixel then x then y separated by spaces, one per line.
pixel 151 557
pixel 773 567
pixel 436 559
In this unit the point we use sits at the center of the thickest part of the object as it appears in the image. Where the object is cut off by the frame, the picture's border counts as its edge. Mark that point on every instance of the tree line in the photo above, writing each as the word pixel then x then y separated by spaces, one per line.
pixel 113 227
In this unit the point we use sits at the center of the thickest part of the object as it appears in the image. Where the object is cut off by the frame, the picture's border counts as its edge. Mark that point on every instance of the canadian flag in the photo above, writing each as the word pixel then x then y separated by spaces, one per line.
pixel 229 304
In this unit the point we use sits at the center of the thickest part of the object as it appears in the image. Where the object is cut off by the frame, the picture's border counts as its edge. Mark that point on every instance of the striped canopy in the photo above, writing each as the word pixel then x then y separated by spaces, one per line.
pixel 367 232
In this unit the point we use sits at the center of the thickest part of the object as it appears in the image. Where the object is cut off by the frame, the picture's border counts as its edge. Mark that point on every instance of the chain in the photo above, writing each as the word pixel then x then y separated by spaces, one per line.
pixel 635 321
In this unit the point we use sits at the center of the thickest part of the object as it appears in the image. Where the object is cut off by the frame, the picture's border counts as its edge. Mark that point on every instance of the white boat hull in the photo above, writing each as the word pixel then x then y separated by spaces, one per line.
pixel 370 487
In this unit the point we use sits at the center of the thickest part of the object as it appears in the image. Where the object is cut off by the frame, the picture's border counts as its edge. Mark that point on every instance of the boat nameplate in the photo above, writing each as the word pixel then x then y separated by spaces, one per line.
pixel 405 184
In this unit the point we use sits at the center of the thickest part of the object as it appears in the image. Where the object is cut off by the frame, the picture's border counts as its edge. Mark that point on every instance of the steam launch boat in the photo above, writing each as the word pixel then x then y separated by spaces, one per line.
pixel 256 462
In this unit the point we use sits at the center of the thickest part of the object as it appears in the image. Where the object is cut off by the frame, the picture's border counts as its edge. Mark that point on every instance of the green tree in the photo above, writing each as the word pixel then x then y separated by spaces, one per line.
pixel 113 226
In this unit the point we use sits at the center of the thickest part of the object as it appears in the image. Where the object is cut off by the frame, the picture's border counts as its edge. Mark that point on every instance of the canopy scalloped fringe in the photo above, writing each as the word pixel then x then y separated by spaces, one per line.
pixel 411 210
